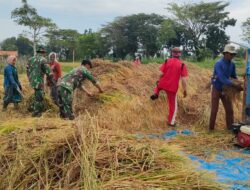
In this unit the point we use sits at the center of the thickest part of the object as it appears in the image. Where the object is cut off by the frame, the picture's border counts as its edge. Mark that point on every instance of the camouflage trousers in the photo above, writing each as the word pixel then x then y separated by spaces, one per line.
pixel 65 100
pixel 38 101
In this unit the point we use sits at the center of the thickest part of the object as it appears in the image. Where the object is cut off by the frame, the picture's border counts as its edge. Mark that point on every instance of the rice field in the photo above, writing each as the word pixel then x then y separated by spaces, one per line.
pixel 100 149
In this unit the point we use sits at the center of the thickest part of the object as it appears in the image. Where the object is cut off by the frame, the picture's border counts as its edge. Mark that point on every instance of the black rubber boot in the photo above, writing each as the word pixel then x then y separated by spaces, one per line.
pixel 71 117
pixel 5 107
pixel 62 115
pixel 154 97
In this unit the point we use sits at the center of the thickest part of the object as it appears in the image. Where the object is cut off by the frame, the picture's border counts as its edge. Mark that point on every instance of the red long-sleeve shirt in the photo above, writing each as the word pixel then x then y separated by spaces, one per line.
pixel 172 71
pixel 56 69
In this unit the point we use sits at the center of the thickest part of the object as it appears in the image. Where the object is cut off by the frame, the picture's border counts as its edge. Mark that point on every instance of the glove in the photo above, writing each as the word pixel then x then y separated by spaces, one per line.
pixel 184 93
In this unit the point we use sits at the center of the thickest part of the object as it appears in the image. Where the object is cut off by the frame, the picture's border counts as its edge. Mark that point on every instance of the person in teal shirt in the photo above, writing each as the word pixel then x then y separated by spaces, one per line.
pixel 12 86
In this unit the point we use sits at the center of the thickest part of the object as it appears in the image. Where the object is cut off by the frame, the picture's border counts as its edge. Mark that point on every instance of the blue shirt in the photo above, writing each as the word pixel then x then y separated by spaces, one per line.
pixel 10 76
pixel 223 71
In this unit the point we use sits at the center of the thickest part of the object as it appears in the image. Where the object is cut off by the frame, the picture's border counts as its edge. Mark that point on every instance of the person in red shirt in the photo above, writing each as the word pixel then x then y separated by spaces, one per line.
pixel 57 73
pixel 55 66
pixel 172 70
pixel 137 61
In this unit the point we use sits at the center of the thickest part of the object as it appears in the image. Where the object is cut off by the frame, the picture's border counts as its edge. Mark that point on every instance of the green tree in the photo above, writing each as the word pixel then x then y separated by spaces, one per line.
pixel 246 30
pixel 9 44
pixel 172 34
pixel 27 16
pixel 199 20
pixel 148 31
pixel 24 45
pixel 20 44
pixel 115 35
pixel 128 34
pixel 216 40
pixel 91 45
pixel 63 40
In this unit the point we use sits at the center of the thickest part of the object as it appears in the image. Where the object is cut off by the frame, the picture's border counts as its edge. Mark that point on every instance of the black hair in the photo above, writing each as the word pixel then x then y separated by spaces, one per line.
pixel 86 62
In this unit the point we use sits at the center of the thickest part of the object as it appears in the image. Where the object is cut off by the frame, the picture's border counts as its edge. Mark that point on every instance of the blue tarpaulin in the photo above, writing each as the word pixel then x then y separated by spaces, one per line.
pixel 167 135
pixel 231 170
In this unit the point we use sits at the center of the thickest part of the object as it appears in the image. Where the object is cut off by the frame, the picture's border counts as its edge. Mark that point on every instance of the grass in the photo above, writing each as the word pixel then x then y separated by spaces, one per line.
pixel 152 60
pixel 68 66
pixel 209 63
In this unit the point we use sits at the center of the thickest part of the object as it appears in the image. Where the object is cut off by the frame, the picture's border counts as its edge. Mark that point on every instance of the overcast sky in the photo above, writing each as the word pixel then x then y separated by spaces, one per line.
pixel 84 14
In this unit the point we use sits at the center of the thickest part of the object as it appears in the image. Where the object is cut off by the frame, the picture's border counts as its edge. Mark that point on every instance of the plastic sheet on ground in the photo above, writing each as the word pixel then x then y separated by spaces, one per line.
pixel 167 135
pixel 231 168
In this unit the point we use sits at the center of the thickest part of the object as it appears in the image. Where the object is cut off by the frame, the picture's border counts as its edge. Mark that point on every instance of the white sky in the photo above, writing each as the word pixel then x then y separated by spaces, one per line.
pixel 84 14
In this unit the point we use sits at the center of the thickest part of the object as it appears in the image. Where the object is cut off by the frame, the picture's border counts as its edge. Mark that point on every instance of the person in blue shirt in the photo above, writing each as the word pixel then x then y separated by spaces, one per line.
pixel 224 72
pixel 12 86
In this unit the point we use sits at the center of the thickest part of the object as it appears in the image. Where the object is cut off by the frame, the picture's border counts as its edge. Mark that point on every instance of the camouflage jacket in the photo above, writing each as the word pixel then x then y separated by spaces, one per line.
pixel 75 77
pixel 37 67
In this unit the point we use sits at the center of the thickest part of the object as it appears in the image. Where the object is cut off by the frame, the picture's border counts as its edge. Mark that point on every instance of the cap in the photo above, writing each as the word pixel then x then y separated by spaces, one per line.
pixel 41 49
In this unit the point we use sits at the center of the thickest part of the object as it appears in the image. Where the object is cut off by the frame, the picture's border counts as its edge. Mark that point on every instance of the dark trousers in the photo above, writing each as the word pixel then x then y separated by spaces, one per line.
pixel 11 96
pixel 227 103
pixel 54 94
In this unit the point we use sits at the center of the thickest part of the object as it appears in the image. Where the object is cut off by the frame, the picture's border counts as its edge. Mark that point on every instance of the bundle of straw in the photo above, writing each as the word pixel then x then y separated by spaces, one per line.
pixel 231 92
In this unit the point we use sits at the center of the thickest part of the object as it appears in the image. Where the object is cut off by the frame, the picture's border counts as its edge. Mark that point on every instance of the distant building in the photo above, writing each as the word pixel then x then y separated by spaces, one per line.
pixel 8 53
pixel 4 54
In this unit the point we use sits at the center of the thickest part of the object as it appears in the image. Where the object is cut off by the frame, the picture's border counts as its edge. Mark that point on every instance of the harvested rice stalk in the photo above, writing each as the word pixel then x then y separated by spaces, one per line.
pixel 231 92
pixel 48 104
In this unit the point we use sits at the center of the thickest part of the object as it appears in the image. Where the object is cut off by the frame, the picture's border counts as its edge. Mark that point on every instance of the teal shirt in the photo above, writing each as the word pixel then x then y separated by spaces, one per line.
pixel 11 76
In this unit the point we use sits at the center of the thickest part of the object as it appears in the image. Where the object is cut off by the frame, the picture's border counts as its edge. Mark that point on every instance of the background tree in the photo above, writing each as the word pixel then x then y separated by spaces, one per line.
pixel 24 46
pixel 168 34
pixel 246 30
pixel 216 40
pixel 21 44
pixel 127 34
pixel 27 16
pixel 91 45
pixel 172 34
pixel 199 21
pixel 9 44
pixel 148 31
pixel 63 41
pixel 115 35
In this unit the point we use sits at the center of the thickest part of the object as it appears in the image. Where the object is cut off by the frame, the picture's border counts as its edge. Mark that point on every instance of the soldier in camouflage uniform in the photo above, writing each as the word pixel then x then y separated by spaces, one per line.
pixel 37 67
pixel 69 83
